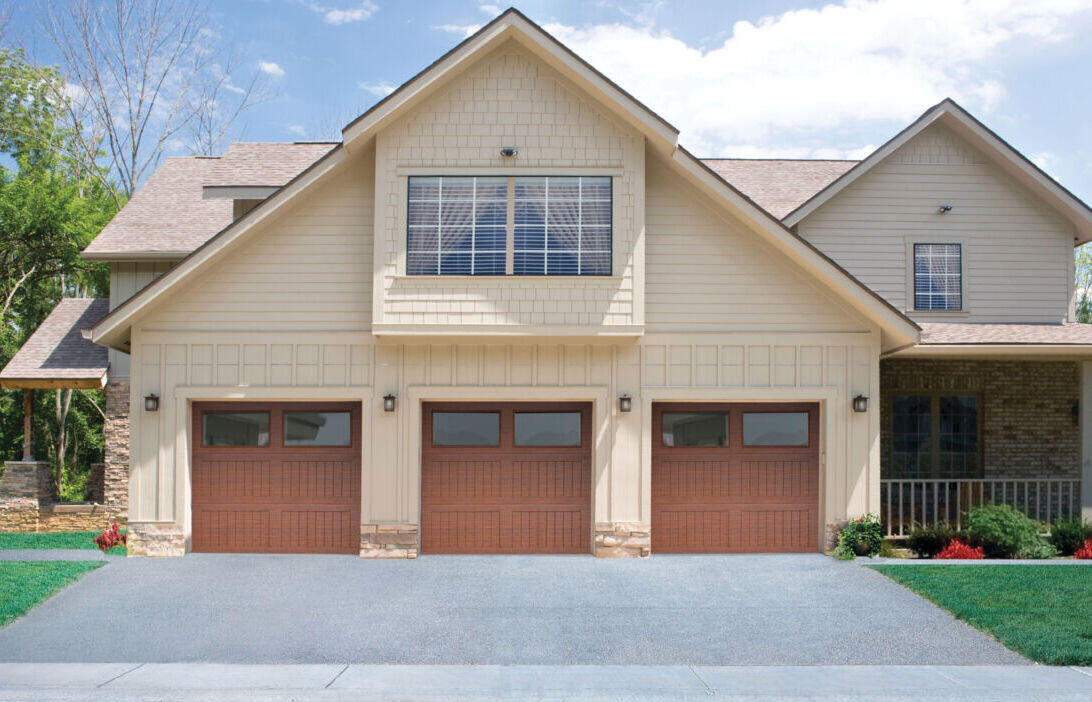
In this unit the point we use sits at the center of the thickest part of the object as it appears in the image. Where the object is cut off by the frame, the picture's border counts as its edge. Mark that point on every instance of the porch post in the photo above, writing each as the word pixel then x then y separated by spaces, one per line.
pixel 1086 439
pixel 28 424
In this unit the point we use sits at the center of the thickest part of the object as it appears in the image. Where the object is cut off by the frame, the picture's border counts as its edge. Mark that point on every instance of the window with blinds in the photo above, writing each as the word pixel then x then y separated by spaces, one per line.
pixel 457 225
pixel 563 226
pixel 938 277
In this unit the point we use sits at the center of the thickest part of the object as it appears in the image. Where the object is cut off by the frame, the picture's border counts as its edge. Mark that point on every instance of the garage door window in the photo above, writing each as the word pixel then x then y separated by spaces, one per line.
pixel 775 428
pixel 695 429
pixel 547 429
pixel 236 428
pixel 316 429
pixel 465 429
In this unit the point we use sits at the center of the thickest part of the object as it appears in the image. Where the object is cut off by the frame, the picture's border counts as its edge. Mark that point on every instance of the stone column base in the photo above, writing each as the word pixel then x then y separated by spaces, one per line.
pixel 18 514
pixel 831 541
pixel 156 539
pixel 622 540
pixel 389 540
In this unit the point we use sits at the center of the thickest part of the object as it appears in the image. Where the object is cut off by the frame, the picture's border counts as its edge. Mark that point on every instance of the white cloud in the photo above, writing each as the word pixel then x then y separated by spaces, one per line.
pixel 1043 159
pixel 271 68
pixel 335 15
pixel 825 72
pixel 297 129
pixel 463 29
pixel 490 9
pixel 380 89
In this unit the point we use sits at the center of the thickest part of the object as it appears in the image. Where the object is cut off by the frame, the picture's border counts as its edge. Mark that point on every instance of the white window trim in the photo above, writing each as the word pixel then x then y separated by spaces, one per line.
pixel 910 307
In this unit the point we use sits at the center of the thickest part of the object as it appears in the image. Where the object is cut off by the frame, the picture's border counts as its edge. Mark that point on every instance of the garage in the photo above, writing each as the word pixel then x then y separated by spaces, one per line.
pixel 735 478
pixel 506 478
pixel 276 477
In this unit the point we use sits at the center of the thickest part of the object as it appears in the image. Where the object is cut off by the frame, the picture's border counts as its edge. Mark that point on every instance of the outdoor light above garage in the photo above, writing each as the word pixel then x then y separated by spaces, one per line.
pixel 151 403
pixel 388 402
pixel 860 404
pixel 625 403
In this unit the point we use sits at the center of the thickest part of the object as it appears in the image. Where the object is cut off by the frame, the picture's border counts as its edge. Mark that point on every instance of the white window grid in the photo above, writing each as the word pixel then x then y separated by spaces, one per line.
pixel 474 201
pixel 580 226
pixel 938 277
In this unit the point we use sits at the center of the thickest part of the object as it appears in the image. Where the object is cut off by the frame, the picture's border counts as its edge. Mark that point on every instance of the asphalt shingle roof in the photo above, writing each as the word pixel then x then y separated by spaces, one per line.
pixel 778 185
pixel 940 333
pixel 57 350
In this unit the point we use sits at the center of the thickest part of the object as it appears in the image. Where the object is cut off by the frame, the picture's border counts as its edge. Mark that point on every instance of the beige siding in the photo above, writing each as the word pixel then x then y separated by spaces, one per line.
pixel 554 126
pixel 1016 252
pixel 126 279
pixel 706 272
pixel 310 269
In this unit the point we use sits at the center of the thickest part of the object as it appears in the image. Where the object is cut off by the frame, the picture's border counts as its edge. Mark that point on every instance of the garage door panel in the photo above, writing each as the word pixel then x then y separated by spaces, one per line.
pixel 734 498
pixel 273 498
pixel 505 498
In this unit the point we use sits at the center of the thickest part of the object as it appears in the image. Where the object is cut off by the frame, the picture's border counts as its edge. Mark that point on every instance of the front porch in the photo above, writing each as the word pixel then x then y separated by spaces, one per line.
pixel 957 433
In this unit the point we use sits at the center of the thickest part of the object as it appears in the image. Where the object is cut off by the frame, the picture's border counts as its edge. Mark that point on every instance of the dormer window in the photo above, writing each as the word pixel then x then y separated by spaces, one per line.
pixel 509 225
pixel 938 277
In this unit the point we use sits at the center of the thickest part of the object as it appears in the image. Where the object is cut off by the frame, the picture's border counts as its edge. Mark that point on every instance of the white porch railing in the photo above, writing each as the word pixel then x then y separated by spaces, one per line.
pixel 904 503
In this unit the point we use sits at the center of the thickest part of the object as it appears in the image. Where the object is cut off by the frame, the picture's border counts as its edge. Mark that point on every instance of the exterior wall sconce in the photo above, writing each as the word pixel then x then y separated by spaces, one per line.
pixel 388 402
pixel 151 403
pixel 860 404
pixel 625 403
pixel 944 209
pixel 508 151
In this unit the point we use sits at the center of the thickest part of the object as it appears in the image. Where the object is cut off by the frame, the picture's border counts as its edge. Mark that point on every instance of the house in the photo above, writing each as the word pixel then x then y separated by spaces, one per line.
pixel 510 313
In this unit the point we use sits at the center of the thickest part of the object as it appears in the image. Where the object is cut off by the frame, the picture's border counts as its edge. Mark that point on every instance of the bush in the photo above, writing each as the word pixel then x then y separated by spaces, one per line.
pixel 862 536
pixel 957 550
pixel 929 540
pixel 1085 551
pixel 1068 535
pixel 1004 532
pixel 109 538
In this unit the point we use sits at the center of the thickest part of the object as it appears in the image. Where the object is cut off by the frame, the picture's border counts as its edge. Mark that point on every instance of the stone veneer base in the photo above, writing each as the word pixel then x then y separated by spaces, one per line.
pixel 622 540
pixel 389 540
pixel 156 539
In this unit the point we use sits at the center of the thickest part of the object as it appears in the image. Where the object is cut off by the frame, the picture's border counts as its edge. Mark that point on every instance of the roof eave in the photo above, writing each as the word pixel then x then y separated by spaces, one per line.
pixel 90 382
pixel 1011 351
pixel 175 255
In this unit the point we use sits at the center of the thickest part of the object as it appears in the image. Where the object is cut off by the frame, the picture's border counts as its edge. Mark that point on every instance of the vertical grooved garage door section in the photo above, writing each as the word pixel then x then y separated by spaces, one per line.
pixel 276 477
pixel 719 486
pixel 506 478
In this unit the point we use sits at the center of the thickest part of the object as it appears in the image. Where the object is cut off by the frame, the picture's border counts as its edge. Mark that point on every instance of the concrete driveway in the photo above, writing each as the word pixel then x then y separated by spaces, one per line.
pixel 702 610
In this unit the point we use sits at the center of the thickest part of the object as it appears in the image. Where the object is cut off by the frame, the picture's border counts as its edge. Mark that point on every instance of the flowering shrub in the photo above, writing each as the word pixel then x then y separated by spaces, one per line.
pixel 957 550
pixel 862 536
pixel 109 538
pixel 1085 551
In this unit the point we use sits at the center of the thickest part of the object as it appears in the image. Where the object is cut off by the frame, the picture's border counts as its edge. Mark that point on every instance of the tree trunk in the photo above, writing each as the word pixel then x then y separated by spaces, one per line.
pixel 63 401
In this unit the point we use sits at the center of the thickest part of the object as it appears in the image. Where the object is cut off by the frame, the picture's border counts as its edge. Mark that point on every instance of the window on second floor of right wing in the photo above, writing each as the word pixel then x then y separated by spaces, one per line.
pixel 938 277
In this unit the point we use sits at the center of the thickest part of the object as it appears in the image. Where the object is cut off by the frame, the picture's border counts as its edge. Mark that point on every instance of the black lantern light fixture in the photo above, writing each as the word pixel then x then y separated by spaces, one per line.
pixel 625 403
pixel 388 402
pixel 860 404
pixel 151 402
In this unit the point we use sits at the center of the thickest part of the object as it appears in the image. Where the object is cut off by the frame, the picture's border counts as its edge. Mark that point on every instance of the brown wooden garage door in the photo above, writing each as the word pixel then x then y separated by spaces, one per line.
pixel 506 478
pixel 276 477
pixel 735 478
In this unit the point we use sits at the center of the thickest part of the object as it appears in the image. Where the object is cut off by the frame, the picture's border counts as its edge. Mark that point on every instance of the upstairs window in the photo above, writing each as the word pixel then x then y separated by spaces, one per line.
pixel 938 277
pixel 464 225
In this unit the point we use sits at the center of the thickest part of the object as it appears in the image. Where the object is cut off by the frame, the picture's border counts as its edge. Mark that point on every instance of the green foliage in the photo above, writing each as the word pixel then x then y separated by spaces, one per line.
pixel 1068 535
pixel 1082 256
pixel 1040 611
pixel 927 540
pixel 862 536
pixel 83 540
pixel 25 584
pixel 1004 532
pixel 889 550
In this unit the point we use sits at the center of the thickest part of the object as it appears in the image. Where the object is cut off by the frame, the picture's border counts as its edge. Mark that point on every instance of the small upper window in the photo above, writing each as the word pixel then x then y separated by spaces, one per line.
pixel 695 429
pixel 317 429
pixel 465 429
pixel 236 429
pixel 938 277
pixel 563 226
pixel 457 225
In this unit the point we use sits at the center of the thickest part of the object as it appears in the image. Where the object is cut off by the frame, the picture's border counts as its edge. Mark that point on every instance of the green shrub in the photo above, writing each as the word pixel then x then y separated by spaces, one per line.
pixel 927 540
pixel 1068 535
pixel 860 537
pixel 1004 532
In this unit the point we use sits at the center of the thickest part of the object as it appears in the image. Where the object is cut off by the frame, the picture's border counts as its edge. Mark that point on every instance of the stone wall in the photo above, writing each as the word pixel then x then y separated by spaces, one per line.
pixel 26 503
pixel 622 540
pixel 156 540
pixel 116 437
pixel 1027 424
pixel 389 540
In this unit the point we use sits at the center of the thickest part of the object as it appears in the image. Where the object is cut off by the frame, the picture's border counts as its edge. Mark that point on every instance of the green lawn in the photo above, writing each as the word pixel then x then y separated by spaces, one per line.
pixel 1039 611
pixel 59 539
pixel 23 584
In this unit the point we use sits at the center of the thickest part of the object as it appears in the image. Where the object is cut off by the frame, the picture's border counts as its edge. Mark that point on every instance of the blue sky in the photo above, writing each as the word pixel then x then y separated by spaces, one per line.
pixel 763 78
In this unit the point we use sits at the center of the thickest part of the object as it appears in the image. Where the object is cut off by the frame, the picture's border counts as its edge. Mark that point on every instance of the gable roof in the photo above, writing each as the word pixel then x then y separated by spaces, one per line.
pixel 174 194
pixel 778 185
pixel 512 24
pixel 57 354
pixel 1011 161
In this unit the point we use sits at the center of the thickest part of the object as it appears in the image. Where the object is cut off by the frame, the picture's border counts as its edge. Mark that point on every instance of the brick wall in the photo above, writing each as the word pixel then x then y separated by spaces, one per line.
pixel 116 454
pixel 1027 426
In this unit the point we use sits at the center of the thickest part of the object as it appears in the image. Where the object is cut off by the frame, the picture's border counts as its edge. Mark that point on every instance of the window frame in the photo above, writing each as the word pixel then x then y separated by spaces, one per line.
pixel 911 243
pixel 402 218
pixel 934 432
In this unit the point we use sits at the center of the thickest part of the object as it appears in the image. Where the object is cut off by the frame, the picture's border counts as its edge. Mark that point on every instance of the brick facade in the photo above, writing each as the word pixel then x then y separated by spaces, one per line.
pixel 116 452
pixel 1027 423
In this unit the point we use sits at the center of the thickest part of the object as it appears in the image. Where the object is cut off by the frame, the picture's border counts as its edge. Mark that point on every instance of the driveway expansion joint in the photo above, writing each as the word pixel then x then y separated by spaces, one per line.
pixel 121 675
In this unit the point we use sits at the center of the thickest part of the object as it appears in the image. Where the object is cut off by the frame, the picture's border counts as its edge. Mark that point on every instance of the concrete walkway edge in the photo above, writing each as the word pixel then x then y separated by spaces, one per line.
pixel 201 680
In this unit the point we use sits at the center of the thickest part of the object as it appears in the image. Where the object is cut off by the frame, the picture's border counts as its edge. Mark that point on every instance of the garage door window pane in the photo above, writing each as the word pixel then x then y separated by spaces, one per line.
pixel 465 429
pixel 695 429
pixel 775 429
pixel 236 428
pixel 547 428
pixel 316 429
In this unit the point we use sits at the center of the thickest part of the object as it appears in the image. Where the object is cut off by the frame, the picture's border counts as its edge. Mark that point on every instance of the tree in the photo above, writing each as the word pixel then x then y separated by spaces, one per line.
pixel 1083 266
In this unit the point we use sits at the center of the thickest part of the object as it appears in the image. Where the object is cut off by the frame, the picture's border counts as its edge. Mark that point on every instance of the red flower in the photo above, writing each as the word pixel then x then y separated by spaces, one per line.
pixel 957 550
pixel 1085 551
